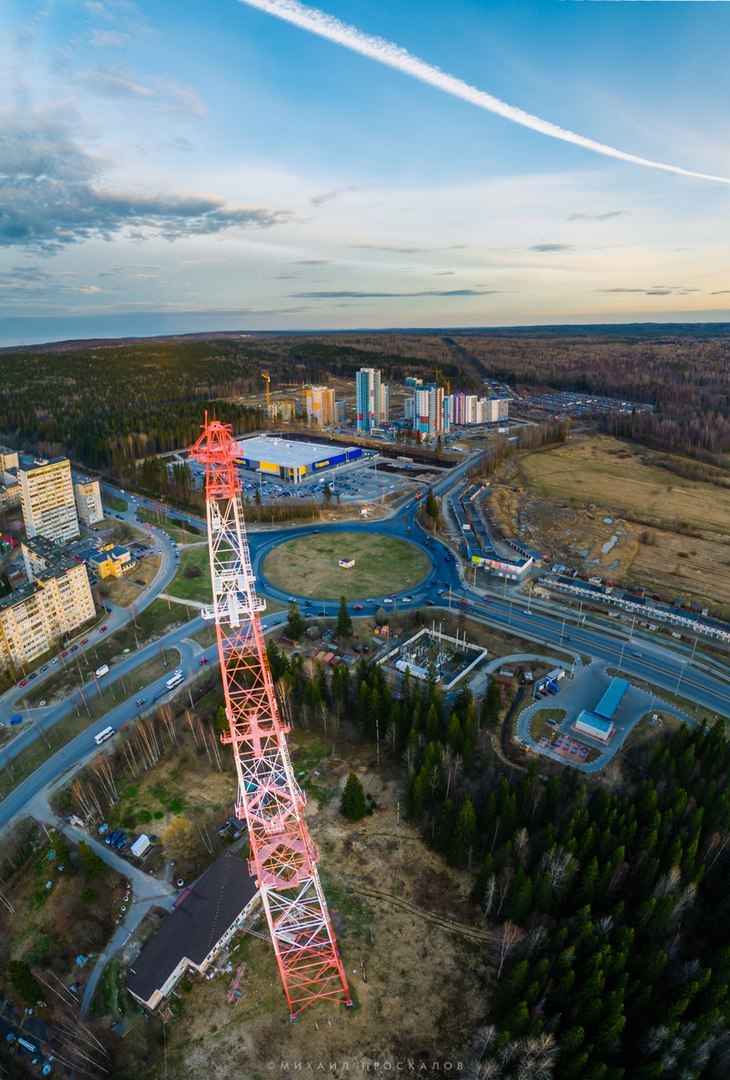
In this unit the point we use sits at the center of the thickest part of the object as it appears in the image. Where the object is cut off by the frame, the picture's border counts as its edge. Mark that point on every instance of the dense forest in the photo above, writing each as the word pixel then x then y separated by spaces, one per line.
pixel 110 404
pixel 611 908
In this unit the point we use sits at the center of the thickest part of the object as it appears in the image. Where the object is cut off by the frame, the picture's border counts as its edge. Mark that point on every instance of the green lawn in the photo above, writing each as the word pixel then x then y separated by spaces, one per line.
pixel 539 726
pixel 193 561
pixel 308 566
pixel 114 503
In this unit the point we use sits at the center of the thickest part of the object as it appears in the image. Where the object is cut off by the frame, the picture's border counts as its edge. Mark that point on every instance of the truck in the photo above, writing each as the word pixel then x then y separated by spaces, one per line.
pixel 102 670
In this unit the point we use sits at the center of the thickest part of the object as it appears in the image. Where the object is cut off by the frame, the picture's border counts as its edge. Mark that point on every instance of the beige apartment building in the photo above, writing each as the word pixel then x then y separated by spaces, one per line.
pixel 8 458
pixel 88 501
pixel 47 499
pixel 56 601
pixel 320 403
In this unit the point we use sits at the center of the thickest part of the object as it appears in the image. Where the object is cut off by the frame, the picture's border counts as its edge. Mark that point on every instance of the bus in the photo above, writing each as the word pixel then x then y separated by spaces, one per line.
pixel 104 735
pixel 176 679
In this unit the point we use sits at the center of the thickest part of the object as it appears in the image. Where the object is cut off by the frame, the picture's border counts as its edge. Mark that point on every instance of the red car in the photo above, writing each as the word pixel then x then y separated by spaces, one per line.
pixel 357 607
pixel 85 641
pixel 102 629
pixel 23 683
pixel 203 661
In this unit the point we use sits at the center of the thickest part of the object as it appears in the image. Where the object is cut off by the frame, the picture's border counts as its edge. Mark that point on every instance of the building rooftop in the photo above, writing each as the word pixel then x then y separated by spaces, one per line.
pixel 597 722
pixel 30 464
pixel 57 560
pixel 288 454
pixel 202 915
pixel 612 698
pixel 19 594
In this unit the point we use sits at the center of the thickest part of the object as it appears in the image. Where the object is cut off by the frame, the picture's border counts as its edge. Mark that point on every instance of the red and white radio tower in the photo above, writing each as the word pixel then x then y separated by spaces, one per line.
pixel 283 856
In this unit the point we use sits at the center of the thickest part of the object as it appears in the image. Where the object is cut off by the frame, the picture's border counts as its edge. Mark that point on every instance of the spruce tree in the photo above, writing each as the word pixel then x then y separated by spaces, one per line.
pixel 344 622
pixel 295 625
pixel 353 805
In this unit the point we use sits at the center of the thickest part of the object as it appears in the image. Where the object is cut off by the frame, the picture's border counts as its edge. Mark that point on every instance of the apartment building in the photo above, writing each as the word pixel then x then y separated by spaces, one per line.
pixel 372 399
pixel 320 405
pixel 55 601
pixel 430 412
pixel 47 499
pixel 87 494
pixel 8 458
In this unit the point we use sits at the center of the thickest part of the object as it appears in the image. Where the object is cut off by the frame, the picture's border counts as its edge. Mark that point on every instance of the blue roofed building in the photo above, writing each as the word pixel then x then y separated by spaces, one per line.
pixel 612 698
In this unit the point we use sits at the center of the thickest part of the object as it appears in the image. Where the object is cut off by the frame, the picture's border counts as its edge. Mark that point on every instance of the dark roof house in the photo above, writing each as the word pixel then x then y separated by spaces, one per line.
pixel 205 917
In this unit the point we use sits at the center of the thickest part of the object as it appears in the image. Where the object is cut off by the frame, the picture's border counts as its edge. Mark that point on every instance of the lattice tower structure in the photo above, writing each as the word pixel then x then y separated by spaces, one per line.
pixel 283 856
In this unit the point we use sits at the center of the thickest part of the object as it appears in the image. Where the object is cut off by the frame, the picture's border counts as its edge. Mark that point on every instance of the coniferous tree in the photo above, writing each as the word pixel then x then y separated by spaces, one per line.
pixel 353 805
pixel 344 622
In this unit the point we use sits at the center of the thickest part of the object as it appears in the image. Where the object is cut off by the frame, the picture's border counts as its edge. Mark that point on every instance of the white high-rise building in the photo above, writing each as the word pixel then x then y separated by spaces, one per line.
pixel 372 399
pixel 47 500
pixel 88 501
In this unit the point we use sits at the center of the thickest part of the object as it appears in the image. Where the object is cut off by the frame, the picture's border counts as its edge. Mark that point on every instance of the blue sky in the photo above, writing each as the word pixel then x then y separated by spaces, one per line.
pixel 173 167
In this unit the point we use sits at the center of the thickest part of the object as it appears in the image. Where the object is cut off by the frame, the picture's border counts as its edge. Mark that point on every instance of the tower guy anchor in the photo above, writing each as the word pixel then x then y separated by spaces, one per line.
pixel 283 855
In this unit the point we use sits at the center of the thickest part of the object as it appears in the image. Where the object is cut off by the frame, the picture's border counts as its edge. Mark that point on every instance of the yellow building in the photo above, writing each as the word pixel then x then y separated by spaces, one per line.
pixel 56 601
pixel 47 499
pixel 8 458
pixel 112 561
pixel 88 501
pixel 320 404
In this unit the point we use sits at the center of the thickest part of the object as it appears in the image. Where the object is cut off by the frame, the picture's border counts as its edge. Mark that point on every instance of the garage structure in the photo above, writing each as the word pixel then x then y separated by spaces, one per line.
pixel 292 461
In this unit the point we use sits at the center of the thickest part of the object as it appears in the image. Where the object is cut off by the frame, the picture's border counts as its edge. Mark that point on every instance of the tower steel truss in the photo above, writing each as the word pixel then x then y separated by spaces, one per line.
pixel 283 856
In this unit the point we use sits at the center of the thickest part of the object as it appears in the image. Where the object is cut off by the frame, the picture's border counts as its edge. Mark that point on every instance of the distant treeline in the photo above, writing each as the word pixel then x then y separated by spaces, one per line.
pixel 113 403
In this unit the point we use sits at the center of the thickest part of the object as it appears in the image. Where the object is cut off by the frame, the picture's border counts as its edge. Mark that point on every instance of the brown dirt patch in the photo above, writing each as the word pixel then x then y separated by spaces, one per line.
pixel 397 909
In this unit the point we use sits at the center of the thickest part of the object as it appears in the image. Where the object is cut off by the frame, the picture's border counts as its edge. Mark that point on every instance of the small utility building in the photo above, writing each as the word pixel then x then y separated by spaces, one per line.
pixel 587 723
pixel 204 919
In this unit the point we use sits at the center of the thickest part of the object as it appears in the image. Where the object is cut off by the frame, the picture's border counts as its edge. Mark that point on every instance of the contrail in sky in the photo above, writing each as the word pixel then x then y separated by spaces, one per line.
pixel 385 52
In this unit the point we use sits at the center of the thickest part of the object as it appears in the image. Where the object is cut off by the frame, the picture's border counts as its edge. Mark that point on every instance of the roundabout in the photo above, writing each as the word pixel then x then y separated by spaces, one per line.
pixel 309 565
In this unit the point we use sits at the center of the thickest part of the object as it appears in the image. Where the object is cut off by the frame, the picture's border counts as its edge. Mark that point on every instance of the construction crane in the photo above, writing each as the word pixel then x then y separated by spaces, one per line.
pixel 303 387
pixel 283 857
pixel 265 375
pixel 447 382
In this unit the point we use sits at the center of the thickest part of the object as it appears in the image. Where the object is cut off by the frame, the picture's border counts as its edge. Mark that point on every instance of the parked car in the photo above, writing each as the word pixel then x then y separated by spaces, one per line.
pixel 140 701
pixel 357 607
pixel 102 629
pixel 73 648
pixel 203 660
pixel 23 683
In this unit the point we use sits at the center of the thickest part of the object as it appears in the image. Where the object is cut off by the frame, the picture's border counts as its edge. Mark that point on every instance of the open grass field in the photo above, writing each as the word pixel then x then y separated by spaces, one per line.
pixel 192 581
pixel 625 479
pixel 309 567
pixel 601 503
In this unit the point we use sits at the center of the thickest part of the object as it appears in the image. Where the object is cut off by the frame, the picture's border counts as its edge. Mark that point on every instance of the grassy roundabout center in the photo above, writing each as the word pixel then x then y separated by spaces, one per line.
pixel 309 565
